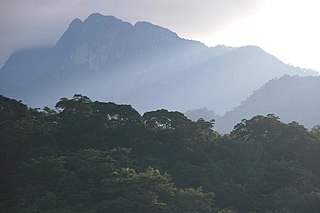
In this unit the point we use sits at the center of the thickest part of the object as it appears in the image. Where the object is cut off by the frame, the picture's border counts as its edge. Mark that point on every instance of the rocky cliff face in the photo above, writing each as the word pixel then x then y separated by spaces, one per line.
pixel 103 42
pixel 142 64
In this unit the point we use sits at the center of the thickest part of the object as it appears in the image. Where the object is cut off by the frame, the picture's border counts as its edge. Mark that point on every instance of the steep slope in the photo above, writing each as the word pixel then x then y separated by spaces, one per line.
pixel 292 98
pixel 143 64
pixel 219 83
pixel 101 47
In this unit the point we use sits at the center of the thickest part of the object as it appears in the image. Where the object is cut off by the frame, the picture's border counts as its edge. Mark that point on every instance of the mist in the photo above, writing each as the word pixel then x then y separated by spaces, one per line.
pixel 31 23
pixel 102 111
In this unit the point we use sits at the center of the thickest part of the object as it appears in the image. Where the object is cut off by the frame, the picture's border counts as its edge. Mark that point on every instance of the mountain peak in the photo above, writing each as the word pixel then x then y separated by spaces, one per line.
pixel 97 18
pixel 147 26
pixel 108 57
pixel 251 49
pixel 95 26
pixel 76 22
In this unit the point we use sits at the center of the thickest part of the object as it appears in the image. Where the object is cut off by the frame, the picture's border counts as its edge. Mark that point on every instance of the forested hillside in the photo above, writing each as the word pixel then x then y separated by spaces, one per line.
pixel 292 98
pixel 89 156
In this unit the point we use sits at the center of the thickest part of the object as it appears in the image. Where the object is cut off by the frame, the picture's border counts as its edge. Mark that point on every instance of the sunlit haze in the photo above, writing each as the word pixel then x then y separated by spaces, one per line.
pixel 287 29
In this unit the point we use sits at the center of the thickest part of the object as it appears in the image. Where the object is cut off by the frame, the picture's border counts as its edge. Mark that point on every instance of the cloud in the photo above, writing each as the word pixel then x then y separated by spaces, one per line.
pixel 38 22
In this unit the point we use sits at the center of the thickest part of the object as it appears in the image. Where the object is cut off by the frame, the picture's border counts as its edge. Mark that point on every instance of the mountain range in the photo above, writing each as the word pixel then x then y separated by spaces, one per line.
pixel 143 64
pixel 292 98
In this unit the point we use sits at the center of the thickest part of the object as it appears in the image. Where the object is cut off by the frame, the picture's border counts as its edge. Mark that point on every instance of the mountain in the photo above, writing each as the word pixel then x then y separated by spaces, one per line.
pixel 292 98
pixel 203 113
pixel 143 64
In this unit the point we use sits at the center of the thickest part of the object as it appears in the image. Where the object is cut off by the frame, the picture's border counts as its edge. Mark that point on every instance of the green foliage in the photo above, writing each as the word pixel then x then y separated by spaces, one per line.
pixel 94 181
pixel 315 132
pixel 86 156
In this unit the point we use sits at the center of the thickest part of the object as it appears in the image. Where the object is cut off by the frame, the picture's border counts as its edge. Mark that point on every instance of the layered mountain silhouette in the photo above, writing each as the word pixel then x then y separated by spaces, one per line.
pixel 143 64
pixel 292 98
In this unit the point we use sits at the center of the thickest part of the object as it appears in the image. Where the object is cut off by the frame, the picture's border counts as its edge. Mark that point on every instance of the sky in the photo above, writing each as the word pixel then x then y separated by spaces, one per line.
pixel 287 29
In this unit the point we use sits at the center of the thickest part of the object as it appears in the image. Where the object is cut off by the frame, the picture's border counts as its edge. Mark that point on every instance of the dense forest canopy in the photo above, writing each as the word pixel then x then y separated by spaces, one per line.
pixel 90 156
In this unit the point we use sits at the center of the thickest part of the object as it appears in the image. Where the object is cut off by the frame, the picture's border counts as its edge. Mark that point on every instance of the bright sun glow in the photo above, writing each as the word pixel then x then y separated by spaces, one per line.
pixel 288 29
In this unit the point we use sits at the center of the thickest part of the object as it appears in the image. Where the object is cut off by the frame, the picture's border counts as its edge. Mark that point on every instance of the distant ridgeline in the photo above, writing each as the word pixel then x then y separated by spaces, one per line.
pixel 90 156
pixel 143 64
pixel 292 98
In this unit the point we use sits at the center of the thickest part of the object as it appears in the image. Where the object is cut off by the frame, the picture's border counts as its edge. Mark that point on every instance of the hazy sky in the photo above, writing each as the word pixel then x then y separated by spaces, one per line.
pixel 288 29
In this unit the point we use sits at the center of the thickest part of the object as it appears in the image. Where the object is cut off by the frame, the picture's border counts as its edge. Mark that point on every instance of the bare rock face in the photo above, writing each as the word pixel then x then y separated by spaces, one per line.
pixel 143 64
